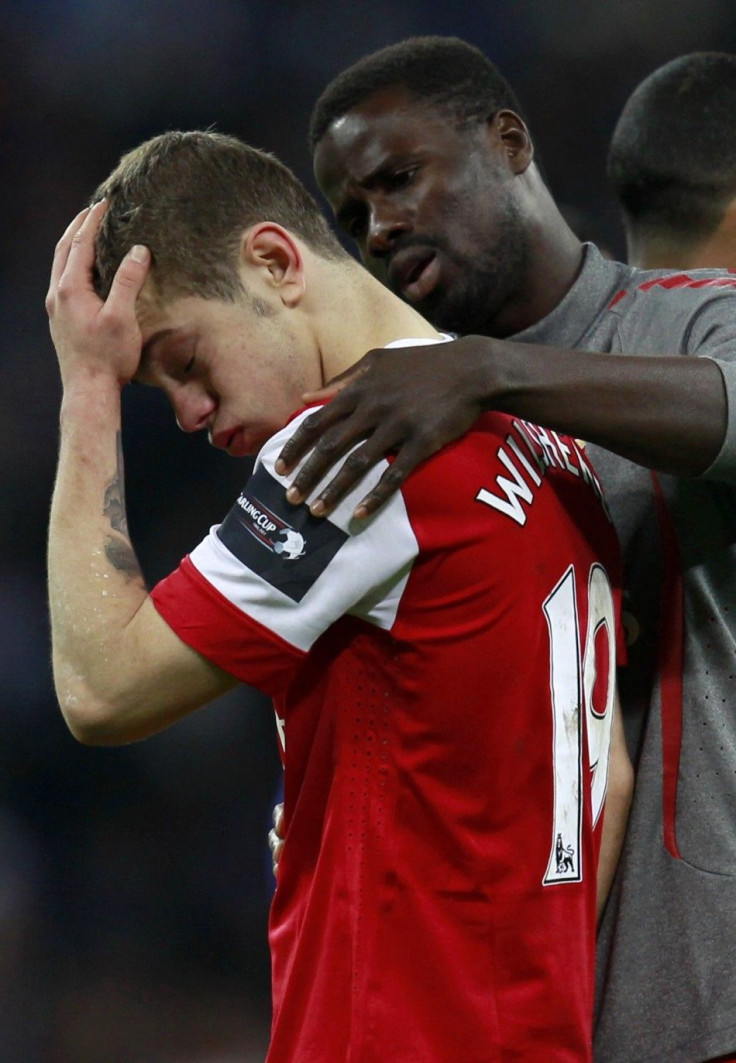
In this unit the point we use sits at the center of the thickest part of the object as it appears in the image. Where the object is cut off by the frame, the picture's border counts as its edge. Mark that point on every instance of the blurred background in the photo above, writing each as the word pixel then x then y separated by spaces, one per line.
pixel 135 882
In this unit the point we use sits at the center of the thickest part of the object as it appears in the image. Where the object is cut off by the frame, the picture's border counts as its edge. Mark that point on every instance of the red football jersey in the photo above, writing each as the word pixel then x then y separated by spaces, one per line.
pixel 443 678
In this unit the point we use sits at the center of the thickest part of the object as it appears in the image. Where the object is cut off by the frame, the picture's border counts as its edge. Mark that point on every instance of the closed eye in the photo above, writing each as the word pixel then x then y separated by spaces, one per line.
pixel 401 178
pixel 356 226
pixel 352 221
pixel 188 366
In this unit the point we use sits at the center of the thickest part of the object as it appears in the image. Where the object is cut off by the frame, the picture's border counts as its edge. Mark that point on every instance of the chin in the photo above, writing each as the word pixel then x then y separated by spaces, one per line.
pixel 440 312
pixel 468 312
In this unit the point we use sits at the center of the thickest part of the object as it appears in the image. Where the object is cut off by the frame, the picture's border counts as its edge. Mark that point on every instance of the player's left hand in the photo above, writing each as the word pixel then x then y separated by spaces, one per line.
pixel 94 337
pixel 408 402
pixel 276 836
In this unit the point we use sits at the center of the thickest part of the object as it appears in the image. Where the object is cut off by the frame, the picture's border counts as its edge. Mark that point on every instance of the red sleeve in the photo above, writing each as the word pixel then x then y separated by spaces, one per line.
pixel 214 627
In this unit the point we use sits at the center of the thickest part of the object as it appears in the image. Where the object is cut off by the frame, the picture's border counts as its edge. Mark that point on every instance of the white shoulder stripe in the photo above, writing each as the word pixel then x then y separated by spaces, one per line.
pixel 366 577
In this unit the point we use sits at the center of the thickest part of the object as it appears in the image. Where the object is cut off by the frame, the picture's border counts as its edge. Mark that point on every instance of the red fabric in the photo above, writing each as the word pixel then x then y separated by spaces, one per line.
pixel 207 621
pixel 677 280
pixel 670 668
pixel 684 280
pixel 412 920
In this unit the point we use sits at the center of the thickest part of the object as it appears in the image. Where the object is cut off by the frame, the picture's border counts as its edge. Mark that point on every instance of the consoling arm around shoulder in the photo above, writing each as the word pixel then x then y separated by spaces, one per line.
pixel 666 413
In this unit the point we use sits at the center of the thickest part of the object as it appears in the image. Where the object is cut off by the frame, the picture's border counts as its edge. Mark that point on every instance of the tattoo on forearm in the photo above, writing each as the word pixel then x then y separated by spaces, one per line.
pixel 119 551
pixel 114 508
pixel 121 556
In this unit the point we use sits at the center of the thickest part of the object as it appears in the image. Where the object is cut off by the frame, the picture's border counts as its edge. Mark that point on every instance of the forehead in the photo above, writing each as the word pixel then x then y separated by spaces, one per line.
pixel 151 310
pixel 166 324
pixel 387 124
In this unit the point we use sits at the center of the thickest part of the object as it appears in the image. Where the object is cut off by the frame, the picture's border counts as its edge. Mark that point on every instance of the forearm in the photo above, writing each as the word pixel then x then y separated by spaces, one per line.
pixel 618 804
pixel 667 413
pixel 619 794
pixel 95 583
pixel 121 672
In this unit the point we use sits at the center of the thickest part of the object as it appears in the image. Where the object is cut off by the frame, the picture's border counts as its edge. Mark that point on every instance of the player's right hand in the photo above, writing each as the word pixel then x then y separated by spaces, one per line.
pixel 276 836
pixel 94 337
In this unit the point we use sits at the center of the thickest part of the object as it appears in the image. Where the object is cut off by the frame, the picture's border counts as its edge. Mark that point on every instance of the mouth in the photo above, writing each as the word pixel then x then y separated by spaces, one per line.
pixel 241 442
pixel 233 440
pixel 414 273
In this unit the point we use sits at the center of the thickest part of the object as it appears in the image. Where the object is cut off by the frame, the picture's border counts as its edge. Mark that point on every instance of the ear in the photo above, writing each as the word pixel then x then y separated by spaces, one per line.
pixel 275 253
pixel 510 132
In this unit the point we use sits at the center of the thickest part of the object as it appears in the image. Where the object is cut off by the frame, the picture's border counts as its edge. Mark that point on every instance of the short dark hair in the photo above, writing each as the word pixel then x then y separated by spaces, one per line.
pixel 188 196
pixel 447 73
pixel 672 158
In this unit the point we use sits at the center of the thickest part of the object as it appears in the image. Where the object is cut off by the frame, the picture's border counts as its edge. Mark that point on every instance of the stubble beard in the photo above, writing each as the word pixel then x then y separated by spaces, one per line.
pixel 485 284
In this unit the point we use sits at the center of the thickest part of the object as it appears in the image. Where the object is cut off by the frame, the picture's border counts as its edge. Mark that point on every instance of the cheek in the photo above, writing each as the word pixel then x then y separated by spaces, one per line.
pixel 451 210
pixel 375 266
pixel 272 391
pixel 460 234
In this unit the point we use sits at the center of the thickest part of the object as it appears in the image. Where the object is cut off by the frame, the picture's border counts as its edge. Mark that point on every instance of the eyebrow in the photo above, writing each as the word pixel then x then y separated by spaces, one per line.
pixel 388 163
pixel 150 344
pixel 147 350
pixel 350 206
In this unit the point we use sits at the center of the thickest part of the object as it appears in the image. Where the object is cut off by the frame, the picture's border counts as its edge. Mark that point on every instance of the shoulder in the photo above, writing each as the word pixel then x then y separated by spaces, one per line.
pixel 265 470
pixel 666 290
pixel 675 312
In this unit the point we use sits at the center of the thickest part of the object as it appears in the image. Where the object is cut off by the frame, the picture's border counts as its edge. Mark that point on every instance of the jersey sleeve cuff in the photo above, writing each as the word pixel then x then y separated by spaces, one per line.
pixel 205 620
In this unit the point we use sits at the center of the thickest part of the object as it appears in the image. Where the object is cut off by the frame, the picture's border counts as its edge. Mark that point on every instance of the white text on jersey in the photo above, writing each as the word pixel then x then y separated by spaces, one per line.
pixel 527 464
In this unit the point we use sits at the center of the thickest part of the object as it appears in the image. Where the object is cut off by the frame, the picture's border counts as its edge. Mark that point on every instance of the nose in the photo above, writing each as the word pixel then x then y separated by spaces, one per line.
pixel 385 227
pixel 192 409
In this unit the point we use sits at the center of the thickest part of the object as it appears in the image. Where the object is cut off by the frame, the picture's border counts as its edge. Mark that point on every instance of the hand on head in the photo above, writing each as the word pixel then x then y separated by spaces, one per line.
pixel 93 336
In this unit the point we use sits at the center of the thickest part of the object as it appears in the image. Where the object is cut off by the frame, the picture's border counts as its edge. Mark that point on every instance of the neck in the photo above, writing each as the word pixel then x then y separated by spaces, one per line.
pixel 715 251
pixel 355 313
pixel 553 258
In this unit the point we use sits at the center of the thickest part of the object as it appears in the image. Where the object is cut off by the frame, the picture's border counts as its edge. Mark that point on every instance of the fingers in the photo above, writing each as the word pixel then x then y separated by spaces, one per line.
pixel 88 331
pixel 363 458
pixel 61 252
pixel 275 845
pixel 390 482
pixel 128 281
pixel 328 450
pixel 309 432
pixel 332 432
pixel 74 256
pixel 352 471
pixel 81 255
pixel 342 405
pixel 336 385
pixel 275 836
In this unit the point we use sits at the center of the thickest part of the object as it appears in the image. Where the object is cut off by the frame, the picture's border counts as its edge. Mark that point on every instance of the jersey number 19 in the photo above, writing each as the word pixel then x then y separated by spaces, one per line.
pixel 582 693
